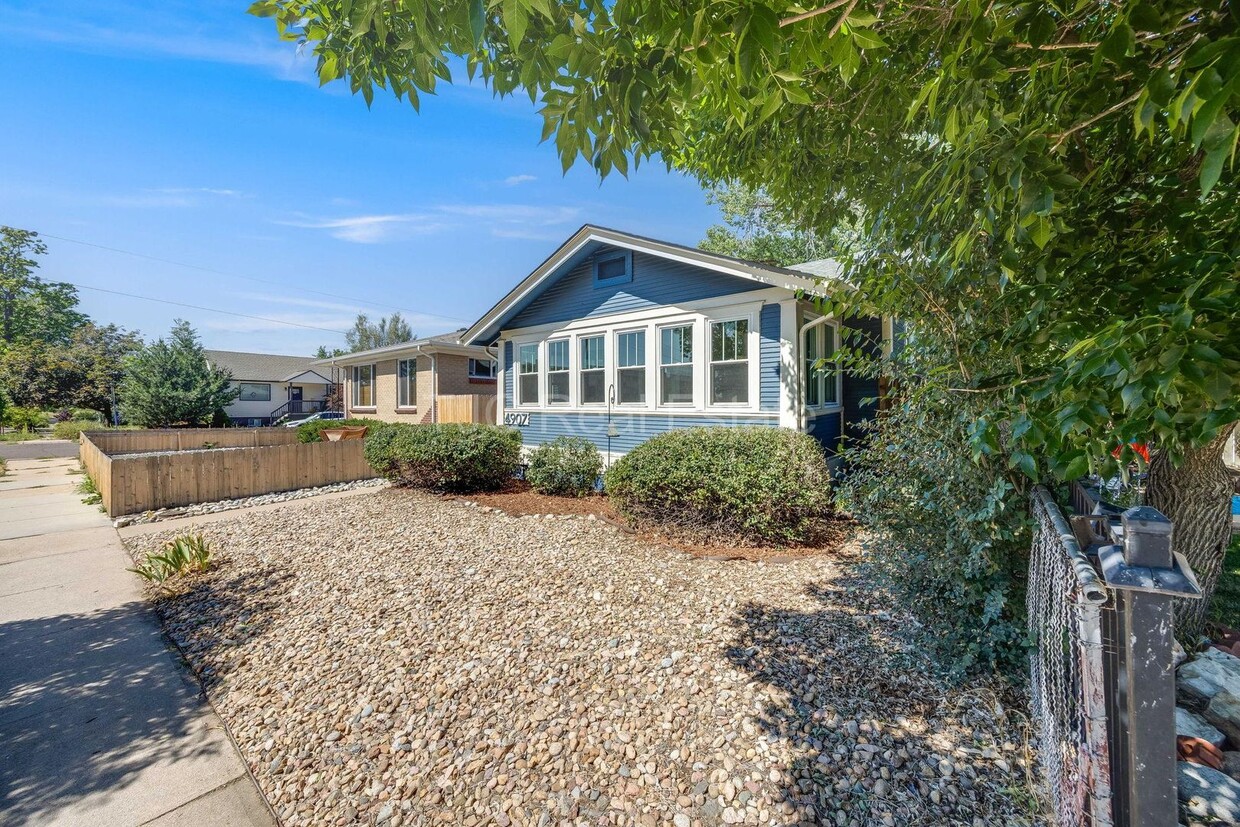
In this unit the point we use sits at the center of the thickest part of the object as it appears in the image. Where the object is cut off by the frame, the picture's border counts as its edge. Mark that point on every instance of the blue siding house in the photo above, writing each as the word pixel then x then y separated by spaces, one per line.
pixel 617 337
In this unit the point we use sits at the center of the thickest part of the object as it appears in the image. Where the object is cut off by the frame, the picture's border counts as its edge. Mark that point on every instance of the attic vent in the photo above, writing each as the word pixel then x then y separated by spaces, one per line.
pixel 614 267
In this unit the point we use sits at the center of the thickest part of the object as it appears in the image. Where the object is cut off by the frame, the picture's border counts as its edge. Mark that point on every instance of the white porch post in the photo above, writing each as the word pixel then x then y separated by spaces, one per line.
pixel 789 367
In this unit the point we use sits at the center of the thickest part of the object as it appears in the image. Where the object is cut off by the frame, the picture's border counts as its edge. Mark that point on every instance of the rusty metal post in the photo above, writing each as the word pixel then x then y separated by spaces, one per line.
pixel 1146 578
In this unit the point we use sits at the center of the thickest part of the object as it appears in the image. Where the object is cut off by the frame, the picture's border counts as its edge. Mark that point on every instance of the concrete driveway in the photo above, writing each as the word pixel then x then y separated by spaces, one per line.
pixel 38 449
pixel 99 722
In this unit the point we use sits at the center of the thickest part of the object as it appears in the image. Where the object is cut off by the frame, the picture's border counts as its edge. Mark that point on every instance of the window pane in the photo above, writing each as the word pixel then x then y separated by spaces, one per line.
pixel 729 341
pixel 529 359
pixel 632 349
pixel 632 386
pixel 729 383
pixel 557 388
pixel 557 355
pixel 741 337
pixel 254 392
pixel 677 345
pixel 593 387
pixel 592 353
pixel 676 385
pixel 406 383
pixel 528 389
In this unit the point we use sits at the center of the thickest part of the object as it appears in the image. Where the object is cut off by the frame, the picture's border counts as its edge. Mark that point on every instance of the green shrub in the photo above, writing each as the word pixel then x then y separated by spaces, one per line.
pixel 25 419
pixel 565 465
pixel 452 458
pixel 182 555
pixel 87 415
pixel 312 431
pixel 72 429
pixel 754 484
pixel 947 536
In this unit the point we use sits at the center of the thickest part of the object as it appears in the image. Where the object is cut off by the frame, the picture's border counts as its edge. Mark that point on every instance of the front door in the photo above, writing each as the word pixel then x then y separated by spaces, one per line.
pixel 294 399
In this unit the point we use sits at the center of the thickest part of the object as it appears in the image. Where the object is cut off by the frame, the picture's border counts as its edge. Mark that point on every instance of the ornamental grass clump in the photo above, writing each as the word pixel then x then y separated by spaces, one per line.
pixel 189 553
pixel 450 458
pixel 566 466
pixel 750 484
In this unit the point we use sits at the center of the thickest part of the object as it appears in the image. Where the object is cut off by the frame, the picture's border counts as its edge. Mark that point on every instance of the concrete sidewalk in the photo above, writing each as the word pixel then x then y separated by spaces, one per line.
pixel 100 724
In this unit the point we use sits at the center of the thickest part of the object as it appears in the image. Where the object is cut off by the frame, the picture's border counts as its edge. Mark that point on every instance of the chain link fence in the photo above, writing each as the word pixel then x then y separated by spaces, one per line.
pixel 1065 597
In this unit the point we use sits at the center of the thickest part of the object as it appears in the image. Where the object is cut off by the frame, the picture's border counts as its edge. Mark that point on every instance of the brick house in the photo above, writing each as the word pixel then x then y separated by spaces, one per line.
pixel 436 379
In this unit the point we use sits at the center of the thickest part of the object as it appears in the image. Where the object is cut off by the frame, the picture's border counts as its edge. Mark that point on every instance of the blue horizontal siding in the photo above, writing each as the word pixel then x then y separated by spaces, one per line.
pixel 508 380
pixel 768 358
pixel 656 282
pixel 634 428
pixel 826 429
pixel 861 392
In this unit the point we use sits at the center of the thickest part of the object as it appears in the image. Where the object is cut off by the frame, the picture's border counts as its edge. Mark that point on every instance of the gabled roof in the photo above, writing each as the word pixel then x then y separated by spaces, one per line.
pixel 590 238
pixel 263 367
pixel 442 343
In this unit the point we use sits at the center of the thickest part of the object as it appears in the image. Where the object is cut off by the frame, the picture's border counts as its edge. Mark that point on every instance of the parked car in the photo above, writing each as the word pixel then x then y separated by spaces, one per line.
pixel 313 417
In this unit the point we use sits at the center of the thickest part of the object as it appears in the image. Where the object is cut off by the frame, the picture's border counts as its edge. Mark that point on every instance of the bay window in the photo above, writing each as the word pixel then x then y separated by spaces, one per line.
pixel 557 372
pixel 527 375
pixel 729 362
pixel 676 365
pixel 592 367
pixel 631 368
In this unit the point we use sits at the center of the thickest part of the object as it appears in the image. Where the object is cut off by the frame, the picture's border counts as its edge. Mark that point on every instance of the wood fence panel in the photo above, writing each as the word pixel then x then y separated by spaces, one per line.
pixel 467 407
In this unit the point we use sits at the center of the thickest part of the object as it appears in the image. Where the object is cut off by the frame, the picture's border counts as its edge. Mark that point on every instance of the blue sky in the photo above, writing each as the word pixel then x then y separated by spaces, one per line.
pixel 189 133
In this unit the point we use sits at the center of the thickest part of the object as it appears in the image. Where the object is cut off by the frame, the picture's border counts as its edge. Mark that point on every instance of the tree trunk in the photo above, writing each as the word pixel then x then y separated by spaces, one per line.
pixel 1196 496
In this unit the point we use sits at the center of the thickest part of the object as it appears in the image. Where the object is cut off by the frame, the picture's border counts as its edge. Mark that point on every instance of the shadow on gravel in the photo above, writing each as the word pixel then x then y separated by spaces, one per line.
pixel 859 706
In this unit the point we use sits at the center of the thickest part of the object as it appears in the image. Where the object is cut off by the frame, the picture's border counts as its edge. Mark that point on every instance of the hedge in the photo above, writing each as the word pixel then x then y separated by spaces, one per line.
pixel 753 484
pixel 565 465
pixel 449 457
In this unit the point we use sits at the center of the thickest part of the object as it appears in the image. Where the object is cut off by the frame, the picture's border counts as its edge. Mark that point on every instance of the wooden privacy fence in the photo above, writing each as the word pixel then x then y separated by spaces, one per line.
pixel 133 484
pixel 189 439
pixel 467 407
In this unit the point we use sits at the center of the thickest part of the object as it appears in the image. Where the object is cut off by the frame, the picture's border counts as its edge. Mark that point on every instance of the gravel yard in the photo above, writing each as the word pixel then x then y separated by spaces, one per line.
pixel 402 659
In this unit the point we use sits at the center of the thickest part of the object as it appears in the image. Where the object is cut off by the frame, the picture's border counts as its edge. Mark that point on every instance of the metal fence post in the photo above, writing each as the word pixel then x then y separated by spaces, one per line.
pixel 1145 578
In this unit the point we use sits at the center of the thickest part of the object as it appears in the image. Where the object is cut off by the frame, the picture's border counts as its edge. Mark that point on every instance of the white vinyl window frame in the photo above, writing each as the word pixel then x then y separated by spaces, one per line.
pixel 565 344
pixel 531 350
pixel 742 353
pixel 407 383
pixel 641 363
pixel 362 376
pixel 694 330
pixel 592 351
pixel 823 388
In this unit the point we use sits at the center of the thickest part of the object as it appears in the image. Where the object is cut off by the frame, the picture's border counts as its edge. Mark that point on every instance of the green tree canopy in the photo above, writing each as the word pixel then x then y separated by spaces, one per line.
pixel 1059 175
pixel 754 228
pixel 30 308
pixel 366 334
pixel 170 382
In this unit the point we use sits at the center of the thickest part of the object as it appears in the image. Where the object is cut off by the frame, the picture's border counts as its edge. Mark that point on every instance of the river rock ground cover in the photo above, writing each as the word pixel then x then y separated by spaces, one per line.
pixel 396 658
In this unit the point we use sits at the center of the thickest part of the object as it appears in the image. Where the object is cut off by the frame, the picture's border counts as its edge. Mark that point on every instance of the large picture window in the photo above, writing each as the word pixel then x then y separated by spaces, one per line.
pixel 557 372
pixel 729 362
pixel 527 375
pixel 631 368
pixel 676 365
pixel 364 386
pixel 821 378
pixel 593 370
pixel 254 392
pixel 407 383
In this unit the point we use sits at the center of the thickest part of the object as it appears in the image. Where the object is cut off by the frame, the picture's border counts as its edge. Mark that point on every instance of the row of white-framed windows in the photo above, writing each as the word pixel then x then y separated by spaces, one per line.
pixel 407 383
pixel 363 386
pixel 821 379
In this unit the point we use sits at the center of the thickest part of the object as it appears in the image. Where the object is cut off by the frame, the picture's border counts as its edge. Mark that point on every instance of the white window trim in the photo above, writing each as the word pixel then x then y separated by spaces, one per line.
pixel 517 397
pixel 578 372
pixel 546 372
pixel 695 327
pixel 834 326
pixel 355 385
pixel 409 405
pixel 753 365
pixel 616 333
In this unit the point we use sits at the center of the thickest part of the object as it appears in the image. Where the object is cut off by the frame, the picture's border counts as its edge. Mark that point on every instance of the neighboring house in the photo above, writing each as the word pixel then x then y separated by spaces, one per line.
pixel 425 380
pixel 273 388
pixel 628 335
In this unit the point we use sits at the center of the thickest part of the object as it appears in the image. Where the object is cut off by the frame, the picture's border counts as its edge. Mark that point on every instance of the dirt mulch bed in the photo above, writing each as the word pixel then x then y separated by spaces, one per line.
pixel 518 499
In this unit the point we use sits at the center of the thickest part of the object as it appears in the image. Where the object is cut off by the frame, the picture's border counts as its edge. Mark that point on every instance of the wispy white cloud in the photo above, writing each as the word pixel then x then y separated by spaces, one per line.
pixel 370 229
pixel 217 191
pixel 516 180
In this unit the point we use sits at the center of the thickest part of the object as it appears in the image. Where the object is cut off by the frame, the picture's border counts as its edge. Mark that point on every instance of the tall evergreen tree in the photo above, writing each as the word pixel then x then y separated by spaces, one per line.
pixel 170 382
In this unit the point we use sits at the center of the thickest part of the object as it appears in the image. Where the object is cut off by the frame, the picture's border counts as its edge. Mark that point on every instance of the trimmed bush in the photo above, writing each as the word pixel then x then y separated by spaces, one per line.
pixel 565 465
pixel 312 431
pixel 754 484
pixel 451 458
